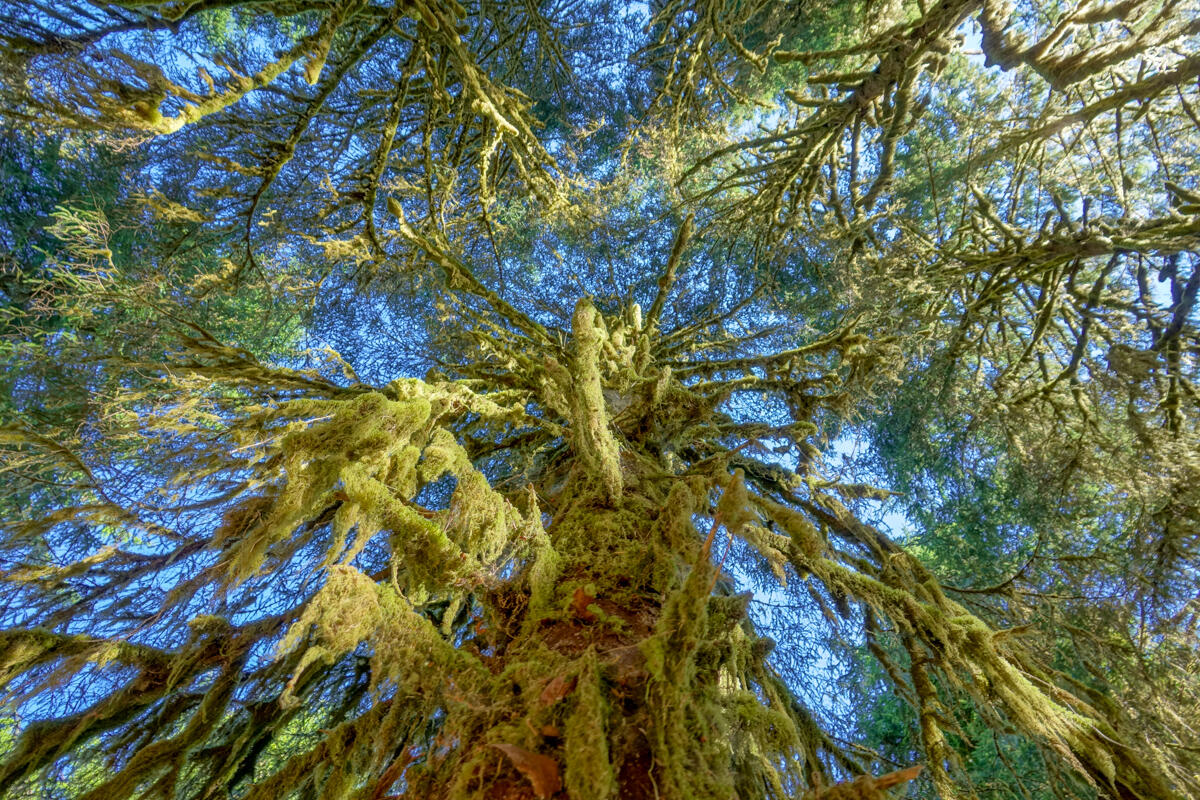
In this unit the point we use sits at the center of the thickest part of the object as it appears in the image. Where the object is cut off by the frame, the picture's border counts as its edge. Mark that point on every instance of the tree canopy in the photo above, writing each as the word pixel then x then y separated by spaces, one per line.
pixel 418 399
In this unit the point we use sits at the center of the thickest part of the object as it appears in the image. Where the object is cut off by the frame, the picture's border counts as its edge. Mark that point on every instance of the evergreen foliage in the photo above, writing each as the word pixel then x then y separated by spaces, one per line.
pixel 435 400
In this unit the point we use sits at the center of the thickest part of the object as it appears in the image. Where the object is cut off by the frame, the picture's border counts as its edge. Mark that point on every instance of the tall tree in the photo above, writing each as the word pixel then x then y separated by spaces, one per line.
pixel 613 289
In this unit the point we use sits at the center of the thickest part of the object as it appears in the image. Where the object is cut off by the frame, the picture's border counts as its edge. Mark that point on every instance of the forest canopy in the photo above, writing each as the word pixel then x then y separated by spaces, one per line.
pixel 574 399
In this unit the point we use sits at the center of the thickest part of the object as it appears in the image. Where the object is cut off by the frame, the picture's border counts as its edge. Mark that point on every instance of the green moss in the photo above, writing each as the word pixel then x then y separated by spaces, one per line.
pixel 734 506
pixel 543 574
pixel 591 436
pixel 589 772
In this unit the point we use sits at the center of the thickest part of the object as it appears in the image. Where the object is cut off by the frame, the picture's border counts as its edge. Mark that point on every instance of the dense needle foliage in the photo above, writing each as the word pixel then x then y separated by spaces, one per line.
pixel 408 398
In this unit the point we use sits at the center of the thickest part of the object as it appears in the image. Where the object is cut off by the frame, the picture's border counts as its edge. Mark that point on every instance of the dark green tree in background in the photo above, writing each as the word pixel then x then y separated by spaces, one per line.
pixel 571 399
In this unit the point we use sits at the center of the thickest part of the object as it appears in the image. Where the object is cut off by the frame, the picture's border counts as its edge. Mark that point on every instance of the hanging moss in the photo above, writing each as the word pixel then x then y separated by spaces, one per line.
pixel 463 644
pixel 733 507
pixel 590 423
pixel 589 772
pixel 544 573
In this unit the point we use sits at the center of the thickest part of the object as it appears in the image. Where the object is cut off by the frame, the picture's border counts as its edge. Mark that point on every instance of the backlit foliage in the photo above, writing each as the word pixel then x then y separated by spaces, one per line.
pixel 459 401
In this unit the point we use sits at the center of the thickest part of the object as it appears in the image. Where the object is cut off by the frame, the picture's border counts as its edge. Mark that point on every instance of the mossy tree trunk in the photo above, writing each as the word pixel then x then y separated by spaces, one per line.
pixel 612 669
pixel 228 579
